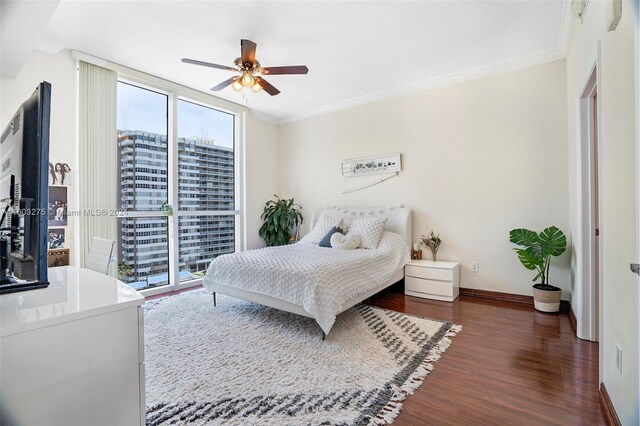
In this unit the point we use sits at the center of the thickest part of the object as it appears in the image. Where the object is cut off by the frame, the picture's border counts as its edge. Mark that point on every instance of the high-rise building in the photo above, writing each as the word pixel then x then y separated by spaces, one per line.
pixel 205 183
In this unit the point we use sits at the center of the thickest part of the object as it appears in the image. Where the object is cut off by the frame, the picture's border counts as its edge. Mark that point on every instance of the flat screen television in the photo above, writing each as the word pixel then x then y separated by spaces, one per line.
pixel 24 160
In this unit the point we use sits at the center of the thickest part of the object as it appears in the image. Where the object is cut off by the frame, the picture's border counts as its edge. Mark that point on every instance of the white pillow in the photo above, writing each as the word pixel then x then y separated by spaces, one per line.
pixel 369 229
pixel 323 225
pixel 343 242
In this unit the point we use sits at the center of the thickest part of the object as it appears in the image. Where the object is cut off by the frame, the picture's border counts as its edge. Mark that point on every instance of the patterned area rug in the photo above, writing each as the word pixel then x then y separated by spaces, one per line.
pixel 244 364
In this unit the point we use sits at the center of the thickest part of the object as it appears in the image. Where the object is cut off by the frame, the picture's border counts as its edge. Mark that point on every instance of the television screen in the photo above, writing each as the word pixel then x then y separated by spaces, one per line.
pixel 10 165
pixel 24 159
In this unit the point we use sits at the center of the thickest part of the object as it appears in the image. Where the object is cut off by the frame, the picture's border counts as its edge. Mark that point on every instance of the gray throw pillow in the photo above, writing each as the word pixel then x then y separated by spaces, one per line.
pixel 326 240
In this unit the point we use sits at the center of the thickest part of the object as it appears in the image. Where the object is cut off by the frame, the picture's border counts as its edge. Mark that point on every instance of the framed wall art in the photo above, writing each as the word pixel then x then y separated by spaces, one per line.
pixel 370 165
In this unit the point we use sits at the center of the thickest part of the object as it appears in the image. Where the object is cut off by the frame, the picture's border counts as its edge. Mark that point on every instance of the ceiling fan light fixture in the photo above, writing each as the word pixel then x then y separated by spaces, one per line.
pixel 248 79
pixel 237 85
pixel 256 87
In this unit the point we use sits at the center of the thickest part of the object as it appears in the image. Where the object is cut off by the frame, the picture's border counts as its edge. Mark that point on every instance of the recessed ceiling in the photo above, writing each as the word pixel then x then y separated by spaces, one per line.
pixel 353 49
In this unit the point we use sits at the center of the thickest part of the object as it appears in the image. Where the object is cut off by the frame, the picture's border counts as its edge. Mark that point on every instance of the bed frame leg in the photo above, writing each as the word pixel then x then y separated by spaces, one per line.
pixel 323 336
pixel 214 299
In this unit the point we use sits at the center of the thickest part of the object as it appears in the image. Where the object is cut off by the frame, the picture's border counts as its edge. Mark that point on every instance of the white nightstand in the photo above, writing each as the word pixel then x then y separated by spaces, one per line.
pixel 432 280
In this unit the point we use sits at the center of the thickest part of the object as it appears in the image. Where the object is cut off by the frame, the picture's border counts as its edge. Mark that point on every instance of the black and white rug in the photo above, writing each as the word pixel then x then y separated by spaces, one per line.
pixel 244 364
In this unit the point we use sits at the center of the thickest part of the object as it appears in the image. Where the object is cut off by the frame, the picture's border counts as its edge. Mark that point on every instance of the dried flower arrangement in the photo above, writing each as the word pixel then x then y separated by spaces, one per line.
pixel 433 241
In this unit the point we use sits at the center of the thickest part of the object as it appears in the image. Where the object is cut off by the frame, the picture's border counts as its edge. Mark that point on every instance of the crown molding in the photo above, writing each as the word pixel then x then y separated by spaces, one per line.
pixel 566 29
pixel 446 80
pixel 265 117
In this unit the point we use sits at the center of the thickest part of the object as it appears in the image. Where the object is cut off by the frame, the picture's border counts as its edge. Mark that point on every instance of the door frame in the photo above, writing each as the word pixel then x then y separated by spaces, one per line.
pixel 637 78
pixel 589 296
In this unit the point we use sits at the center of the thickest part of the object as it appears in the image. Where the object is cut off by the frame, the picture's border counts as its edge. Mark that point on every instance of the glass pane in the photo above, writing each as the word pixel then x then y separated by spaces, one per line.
pixel 205 158
pixel 203 238
pixel 144 252
pixel 142 147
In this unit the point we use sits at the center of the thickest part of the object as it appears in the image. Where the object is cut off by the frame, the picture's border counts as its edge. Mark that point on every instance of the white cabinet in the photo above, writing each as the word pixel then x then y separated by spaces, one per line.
pixel 432 280
pixel 73 353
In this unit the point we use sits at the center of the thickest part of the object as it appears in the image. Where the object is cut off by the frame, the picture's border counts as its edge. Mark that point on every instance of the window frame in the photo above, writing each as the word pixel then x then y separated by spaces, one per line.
pixel 175 93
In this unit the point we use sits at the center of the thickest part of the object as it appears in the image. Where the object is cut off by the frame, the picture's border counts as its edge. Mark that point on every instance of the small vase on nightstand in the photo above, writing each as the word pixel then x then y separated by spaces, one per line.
pixel 433 241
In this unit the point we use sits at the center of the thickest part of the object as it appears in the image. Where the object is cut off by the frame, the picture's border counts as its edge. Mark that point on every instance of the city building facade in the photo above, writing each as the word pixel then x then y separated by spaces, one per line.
pixel 205 184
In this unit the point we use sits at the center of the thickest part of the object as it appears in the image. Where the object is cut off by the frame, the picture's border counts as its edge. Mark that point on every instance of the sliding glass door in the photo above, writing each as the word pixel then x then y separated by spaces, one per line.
pixel 143 249
pixel 206 186
pixel 177 170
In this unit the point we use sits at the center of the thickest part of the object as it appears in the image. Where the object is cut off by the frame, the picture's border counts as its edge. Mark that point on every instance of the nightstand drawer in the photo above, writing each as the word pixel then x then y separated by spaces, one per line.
pixel 429 273
pixel 436 288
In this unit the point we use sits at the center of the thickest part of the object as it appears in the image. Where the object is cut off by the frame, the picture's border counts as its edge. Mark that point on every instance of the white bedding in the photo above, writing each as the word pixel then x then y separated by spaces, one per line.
pixel 319 279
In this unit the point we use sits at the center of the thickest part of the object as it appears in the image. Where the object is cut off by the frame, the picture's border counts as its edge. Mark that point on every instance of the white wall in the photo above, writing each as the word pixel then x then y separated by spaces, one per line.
pixel 479 158
pixel 60 71
pixel 618 231
pixel 261 173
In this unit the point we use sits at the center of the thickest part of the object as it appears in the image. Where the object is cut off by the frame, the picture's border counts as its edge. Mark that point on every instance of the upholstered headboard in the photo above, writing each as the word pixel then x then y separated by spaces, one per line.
pixel 398 218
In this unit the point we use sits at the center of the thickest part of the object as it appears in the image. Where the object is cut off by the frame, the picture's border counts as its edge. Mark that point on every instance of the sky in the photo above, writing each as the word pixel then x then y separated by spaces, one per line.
pixel 145 110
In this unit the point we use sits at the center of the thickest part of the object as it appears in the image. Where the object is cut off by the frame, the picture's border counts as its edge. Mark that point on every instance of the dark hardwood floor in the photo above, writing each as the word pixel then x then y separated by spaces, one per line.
pixel 510 365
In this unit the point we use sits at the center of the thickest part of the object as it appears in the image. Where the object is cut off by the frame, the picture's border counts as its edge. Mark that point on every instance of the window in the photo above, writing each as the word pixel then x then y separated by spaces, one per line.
pixel 203 238
pixel 157 251
pixel 206 184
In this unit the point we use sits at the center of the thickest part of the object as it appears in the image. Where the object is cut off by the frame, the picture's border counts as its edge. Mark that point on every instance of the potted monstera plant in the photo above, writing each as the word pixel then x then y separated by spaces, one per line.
pixel 280 218
pixel 535 252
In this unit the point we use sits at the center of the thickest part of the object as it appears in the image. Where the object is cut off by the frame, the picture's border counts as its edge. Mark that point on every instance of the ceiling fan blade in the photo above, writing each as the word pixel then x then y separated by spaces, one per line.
pixel 248 51
pixel 291 69
pixel 207 64
pixel 224 84
pixel 268 87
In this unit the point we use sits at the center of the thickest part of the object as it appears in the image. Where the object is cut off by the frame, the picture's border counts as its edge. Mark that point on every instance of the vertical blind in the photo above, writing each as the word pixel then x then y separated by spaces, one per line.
pixel 98 155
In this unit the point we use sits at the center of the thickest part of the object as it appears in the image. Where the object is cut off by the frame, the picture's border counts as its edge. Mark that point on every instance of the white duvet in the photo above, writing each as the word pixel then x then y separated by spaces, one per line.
pixel 319 279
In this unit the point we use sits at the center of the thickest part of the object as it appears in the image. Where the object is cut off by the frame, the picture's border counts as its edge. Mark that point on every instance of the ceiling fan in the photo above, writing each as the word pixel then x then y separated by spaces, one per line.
pixel 250 70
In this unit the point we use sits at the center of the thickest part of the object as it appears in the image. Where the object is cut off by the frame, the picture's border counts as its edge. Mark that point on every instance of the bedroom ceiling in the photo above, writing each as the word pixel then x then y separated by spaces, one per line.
pixel 355 51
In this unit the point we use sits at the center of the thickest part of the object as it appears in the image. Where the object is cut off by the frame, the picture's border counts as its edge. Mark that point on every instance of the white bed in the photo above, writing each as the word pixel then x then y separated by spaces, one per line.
pixel 313 281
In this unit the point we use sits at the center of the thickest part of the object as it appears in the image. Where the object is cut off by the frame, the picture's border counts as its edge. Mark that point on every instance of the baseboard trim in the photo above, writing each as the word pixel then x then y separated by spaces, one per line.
pixel 608 409
pixel 565 305
pixel 496 295
pixel 573 320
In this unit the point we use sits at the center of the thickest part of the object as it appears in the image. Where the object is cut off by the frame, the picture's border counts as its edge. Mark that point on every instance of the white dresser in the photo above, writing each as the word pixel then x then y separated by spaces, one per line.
pixel 73 353
pixel 432 280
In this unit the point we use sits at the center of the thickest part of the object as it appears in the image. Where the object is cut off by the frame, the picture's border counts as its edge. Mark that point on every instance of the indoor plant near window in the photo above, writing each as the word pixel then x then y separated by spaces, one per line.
pixel 280 218
pixel 535 253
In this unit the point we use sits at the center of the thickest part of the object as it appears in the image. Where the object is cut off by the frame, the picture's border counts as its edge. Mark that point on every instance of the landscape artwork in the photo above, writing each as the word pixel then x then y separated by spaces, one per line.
pixel 370 165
